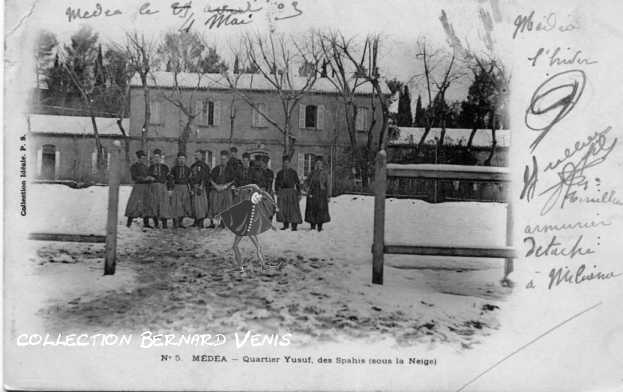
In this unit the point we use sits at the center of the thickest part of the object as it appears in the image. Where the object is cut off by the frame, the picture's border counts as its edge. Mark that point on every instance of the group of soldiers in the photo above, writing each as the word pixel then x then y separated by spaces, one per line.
pixel 199 192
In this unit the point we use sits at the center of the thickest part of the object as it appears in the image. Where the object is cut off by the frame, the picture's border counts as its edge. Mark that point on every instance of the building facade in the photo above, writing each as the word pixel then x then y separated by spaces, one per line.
pixel 63 148
pixel 224 119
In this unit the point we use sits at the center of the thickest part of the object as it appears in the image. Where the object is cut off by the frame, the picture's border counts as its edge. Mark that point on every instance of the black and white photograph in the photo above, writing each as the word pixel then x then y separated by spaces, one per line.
pixel 312 195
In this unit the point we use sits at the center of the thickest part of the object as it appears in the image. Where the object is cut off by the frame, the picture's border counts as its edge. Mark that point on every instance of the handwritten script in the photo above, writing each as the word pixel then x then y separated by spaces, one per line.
pixel 209 16
pixel 569 177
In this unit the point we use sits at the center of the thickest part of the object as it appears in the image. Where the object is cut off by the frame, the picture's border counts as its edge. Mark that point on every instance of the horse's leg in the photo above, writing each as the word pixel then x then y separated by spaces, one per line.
pixel 237 252
pixel 258 248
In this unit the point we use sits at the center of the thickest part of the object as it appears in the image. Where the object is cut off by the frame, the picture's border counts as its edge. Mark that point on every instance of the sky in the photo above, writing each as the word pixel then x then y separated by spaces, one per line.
pixel 400 22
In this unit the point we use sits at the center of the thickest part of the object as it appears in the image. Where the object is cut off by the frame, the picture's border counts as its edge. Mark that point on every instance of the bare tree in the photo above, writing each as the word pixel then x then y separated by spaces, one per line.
pixel 233 76
pixel 187 57
pixel 275 57
pixel 83 83
pixel 365 62
pixel 119 73
pixel 486 66
pixel 439 70
pixel 184 97
pixel 345 65
pixel 140 54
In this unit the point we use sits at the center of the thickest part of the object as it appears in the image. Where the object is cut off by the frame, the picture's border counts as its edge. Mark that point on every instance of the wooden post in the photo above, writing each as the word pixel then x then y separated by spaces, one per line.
pixel 114 175
pixel 378 244
pixel 508 263
pixel 435 181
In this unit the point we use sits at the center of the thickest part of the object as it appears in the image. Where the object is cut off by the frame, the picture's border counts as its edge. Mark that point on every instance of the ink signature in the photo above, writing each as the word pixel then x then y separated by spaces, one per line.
pixel 530 180
pixel 572 174
pixel 552 101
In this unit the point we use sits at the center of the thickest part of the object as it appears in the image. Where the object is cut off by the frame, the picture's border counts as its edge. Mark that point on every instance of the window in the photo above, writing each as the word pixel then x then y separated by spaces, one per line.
pixel 105 160
pixel 257 120
pixel 206 156
pixel 208 112
pixel 154 108
pixel 311 111
pixel 361 118
pixel 311 116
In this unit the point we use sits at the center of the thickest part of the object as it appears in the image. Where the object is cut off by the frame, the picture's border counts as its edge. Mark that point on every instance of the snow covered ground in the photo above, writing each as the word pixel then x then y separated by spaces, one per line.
pixel 318 287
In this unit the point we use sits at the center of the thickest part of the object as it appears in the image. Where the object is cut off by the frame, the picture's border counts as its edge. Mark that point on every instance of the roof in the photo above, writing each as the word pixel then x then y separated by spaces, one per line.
pixel 245 82
pixel 482 138
pixel 74 125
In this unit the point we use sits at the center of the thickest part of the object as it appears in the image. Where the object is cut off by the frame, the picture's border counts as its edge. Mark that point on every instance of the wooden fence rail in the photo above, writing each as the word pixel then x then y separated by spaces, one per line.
pixel 437 172
pixel 60 237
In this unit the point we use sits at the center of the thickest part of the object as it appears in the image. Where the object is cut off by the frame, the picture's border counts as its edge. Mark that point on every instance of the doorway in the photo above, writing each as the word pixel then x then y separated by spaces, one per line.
pixel 48 162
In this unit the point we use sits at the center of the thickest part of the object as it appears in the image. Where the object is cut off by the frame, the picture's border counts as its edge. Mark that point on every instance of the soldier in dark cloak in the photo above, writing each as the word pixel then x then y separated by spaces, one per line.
pixel 161 208
pixel 179 183
pixel 288 189
pixel 199 180
pixel 139 203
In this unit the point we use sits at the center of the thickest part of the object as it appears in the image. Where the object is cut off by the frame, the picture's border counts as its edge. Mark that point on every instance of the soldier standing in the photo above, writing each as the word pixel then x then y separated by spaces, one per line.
pixel 235 167
pixel 246 178
pixel 199 180
pixel 139 202
pixel 317 205
pixel 222 178
pixel 179 182
pixel 160 208
pixel 288 188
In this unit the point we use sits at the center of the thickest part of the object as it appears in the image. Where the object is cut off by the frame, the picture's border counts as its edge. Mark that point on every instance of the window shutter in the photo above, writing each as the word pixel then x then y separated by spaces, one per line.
pixel 261 121
pixel 301 116
pixel 301 164
pixel 107 160
pixel 155 113
pixel 94 162
pixel 39 161
pixel 57 163
pixel 199 111
pixel 320 117
pixel 254 117
pixel 217 113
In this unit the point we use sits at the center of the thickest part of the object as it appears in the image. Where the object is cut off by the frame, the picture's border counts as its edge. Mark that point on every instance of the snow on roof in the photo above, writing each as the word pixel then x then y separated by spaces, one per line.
pixel 245 82
pixel 74 125
pixel 482 138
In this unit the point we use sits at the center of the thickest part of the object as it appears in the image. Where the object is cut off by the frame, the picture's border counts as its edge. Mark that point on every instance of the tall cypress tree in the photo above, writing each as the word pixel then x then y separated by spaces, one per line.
pixel 419 113
pixel 236 66
pixel 405 117
pixel 100 75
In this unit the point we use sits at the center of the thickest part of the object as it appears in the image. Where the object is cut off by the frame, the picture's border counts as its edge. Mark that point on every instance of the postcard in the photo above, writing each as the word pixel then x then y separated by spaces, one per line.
pixel 313 195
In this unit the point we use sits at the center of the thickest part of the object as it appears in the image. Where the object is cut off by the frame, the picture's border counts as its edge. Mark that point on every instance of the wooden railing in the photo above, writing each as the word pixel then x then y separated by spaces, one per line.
pixel 438 172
